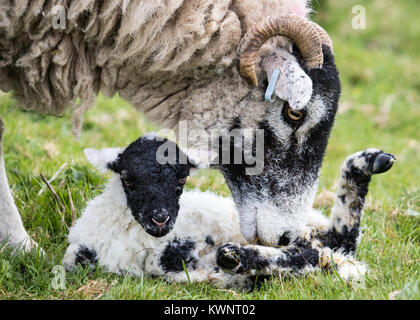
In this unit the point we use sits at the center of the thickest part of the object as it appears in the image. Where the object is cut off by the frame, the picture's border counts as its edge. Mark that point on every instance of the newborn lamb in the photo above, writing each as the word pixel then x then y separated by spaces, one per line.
pixel 130 228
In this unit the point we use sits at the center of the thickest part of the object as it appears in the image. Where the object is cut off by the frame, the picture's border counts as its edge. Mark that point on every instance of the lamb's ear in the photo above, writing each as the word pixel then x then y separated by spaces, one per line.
pixel 199 159
pixel 101 158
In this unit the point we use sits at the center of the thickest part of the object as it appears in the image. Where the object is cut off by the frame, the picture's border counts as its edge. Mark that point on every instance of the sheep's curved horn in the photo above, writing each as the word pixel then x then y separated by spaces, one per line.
pixel 302 32
pixel 325 38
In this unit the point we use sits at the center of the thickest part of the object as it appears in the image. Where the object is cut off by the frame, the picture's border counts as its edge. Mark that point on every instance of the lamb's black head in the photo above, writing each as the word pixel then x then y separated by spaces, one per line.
pixel 153 172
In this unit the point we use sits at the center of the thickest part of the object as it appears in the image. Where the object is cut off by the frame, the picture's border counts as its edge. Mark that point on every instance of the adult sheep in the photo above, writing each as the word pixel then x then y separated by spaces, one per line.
pixel 206 62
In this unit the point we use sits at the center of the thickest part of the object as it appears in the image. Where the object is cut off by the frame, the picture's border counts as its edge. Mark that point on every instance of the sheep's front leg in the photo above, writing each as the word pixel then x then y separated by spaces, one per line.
pixel 356 172
pixel 11 226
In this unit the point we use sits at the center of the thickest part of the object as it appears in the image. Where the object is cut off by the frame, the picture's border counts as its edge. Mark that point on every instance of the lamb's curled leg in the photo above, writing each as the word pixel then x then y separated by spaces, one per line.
pixel 344 231
pixel 11 227
pixel 179 260
pixel 297 258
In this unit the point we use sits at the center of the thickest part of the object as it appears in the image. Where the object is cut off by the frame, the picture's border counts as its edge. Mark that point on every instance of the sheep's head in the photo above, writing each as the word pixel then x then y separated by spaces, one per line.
pixel 296 125
pixel 152 187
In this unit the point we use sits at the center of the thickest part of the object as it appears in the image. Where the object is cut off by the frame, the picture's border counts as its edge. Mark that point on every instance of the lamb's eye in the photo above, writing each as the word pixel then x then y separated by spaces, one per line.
pixel 127 182
pixel 125 179
pixel 182 180
pixel 292 116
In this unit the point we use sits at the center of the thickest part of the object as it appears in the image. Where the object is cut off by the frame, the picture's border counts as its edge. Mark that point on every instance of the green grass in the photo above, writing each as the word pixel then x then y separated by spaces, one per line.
pixel 379 108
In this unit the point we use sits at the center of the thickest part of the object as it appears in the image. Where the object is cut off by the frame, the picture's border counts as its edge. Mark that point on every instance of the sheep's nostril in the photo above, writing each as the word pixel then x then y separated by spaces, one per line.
pixel 160 224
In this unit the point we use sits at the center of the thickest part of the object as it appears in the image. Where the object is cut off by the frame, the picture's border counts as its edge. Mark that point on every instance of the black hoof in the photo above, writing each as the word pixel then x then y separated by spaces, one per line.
pixel 383 162
pixel 228 256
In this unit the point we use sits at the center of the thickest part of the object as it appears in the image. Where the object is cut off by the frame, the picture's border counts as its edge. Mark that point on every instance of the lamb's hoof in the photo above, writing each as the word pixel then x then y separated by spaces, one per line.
pixel 228 256
pixel 369 162
pixel 382 163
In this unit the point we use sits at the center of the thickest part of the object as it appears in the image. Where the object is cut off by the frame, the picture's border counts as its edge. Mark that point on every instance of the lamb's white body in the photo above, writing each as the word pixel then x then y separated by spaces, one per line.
pixel 122 245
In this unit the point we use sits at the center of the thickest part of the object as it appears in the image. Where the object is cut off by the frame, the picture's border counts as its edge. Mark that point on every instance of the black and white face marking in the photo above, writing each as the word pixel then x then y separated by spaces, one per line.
pixel 296 135
pixel 152 189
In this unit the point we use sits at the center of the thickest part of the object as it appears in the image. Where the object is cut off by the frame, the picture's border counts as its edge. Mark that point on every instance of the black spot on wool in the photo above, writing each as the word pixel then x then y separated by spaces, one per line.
pixel 175 252
pixel 247 258
pixel 346 239
pixel 299 257
pixel 284 239
pixel 85 256
pixel 209 240
pixel 251 260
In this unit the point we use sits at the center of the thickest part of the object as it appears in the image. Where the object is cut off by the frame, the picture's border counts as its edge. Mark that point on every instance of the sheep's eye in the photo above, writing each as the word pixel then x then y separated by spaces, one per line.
pixel 127 182
pixel 292 115
pixel 182 180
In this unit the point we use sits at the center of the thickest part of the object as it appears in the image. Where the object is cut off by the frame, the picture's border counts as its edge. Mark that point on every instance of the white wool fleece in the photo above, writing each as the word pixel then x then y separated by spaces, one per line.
pixel 149 52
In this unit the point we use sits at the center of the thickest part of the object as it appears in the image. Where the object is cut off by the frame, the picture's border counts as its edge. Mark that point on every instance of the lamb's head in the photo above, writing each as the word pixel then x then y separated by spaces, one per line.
pixel 297 124
pixel 153 172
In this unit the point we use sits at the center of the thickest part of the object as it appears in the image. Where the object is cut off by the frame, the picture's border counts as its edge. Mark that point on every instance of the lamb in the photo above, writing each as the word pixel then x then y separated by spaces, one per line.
pixel 130 227
pixel 205 63
pixel 125 229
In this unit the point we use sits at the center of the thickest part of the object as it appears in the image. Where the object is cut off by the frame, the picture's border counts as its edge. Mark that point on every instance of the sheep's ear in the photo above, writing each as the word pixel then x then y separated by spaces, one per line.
pixel 101 158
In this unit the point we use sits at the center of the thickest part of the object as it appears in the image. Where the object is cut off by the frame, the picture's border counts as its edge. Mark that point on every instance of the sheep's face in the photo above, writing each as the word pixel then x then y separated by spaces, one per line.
pixel 152 186
pixel 274 203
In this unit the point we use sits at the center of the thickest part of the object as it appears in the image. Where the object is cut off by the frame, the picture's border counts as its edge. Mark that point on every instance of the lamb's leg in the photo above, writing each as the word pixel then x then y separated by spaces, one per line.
pixel 356 172
pixel 183 264
pixel 298 258
pixel 79 254
pixel 11 226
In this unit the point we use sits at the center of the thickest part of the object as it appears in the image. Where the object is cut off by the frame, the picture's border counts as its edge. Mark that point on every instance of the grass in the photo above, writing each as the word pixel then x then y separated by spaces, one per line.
pixel 379 108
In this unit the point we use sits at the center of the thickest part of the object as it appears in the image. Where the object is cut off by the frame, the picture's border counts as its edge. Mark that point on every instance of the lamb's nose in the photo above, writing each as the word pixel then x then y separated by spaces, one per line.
pixel 160 222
